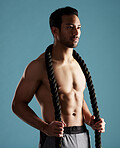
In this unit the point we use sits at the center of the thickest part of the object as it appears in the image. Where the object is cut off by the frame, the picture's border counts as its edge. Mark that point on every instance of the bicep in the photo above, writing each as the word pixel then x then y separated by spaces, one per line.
pixel 26 90
pixel 29 83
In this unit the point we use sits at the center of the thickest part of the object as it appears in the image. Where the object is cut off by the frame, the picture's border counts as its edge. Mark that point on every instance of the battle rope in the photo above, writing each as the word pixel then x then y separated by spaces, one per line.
pixel 55 96
pixel 54 90
pixel 92 95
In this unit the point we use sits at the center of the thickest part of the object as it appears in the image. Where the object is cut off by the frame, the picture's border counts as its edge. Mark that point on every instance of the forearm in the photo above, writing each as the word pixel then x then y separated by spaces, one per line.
pixel 23 111
pixel 87 114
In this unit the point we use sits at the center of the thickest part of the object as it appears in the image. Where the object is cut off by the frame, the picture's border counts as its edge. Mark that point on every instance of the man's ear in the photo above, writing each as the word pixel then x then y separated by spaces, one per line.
pixel 55 31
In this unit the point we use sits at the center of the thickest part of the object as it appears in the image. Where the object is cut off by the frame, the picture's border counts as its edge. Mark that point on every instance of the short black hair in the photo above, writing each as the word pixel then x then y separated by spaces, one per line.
pixel 56 17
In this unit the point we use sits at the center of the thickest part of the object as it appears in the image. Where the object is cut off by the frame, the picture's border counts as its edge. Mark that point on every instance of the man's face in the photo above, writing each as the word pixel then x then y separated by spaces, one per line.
pixel 69 33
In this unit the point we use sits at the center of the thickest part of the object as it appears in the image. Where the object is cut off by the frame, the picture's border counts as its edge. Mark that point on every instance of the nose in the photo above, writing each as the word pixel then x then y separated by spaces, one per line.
pixel 76 31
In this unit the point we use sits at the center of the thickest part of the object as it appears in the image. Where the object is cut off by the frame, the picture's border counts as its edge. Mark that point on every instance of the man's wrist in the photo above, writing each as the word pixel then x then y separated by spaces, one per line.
pixel 89 120
pixel 44 127
pixel 92 122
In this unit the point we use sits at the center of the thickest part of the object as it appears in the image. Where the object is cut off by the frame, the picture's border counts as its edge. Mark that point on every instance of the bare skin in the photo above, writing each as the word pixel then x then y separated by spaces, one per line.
pixel 71 82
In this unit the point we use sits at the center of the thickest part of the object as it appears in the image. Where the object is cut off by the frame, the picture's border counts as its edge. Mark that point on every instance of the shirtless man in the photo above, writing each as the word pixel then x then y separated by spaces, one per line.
pixel 65 27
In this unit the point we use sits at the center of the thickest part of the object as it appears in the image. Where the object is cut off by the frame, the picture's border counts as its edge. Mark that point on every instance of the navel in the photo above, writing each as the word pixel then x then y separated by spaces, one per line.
pixel 74 114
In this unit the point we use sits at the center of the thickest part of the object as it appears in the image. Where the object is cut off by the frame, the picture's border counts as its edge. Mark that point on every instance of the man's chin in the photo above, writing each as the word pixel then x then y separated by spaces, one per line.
pixel 74 45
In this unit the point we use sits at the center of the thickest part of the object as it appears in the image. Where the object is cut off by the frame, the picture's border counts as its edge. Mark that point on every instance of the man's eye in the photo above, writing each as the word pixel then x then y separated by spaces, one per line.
pixel 70 27
pixel 79 27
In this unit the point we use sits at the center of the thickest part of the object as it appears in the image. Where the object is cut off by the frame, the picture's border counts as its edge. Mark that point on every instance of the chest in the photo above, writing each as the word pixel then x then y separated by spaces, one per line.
pixel 70 77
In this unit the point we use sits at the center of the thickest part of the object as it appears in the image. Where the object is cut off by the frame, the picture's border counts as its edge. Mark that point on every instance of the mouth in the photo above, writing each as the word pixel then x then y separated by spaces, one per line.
pixel 76 39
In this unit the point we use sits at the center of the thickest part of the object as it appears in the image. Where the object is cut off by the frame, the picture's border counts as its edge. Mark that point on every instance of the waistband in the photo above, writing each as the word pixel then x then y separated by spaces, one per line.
pixel 75 129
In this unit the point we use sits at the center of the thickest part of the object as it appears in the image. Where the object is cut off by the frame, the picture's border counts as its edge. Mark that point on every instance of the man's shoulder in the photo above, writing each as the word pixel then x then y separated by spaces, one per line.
pixel 37 63
pixel 35 68
pixel 41 58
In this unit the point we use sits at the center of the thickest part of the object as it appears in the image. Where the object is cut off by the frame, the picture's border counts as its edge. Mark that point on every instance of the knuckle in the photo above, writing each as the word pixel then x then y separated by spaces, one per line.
pixel 61 124
pixel 59 135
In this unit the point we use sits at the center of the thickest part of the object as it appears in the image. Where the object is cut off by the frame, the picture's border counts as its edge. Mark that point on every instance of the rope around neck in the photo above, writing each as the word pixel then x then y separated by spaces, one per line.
pixel 55 96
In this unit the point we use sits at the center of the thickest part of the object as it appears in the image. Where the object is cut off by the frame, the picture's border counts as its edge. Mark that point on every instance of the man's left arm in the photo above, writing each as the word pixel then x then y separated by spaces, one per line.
pixel 89 119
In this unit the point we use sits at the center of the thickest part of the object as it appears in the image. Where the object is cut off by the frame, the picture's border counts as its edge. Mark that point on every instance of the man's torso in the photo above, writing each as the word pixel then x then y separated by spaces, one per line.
pixel 71 84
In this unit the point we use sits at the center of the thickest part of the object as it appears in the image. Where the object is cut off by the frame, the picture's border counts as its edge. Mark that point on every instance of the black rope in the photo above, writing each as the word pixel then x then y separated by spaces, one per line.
pixel 55 96
pixel 92 95
pixel 54 90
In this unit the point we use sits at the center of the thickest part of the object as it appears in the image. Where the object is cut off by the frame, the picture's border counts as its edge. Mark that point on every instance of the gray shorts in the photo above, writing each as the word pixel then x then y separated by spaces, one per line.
pixel 74 137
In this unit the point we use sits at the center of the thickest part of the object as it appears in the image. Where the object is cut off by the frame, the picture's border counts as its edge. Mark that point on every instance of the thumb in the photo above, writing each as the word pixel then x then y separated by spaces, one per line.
pixel 64 123
pixel 92 117
pixel 92 120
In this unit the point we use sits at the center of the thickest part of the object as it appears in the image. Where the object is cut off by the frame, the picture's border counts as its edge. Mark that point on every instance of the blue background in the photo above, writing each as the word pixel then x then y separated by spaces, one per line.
pixel 24 35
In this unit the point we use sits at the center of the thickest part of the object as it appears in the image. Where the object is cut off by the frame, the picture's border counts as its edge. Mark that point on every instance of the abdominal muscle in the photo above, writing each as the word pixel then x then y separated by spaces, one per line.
pixel 71 108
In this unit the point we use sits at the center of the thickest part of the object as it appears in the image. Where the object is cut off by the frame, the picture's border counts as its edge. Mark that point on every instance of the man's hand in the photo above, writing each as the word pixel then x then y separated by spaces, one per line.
pixel 100 125
pixel 55 128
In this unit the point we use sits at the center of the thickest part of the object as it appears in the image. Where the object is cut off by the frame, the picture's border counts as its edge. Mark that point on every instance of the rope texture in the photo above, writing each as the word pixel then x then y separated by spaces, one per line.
pixel 92 95
pixel 54 90
pixel 55 96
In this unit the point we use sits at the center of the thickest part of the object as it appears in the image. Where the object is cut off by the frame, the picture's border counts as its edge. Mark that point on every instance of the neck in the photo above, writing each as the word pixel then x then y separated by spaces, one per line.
pixel 61 53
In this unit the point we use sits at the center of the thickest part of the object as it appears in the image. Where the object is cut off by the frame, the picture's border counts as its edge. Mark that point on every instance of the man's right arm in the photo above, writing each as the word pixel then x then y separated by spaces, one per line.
pixel 25 91
pixel 27 87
